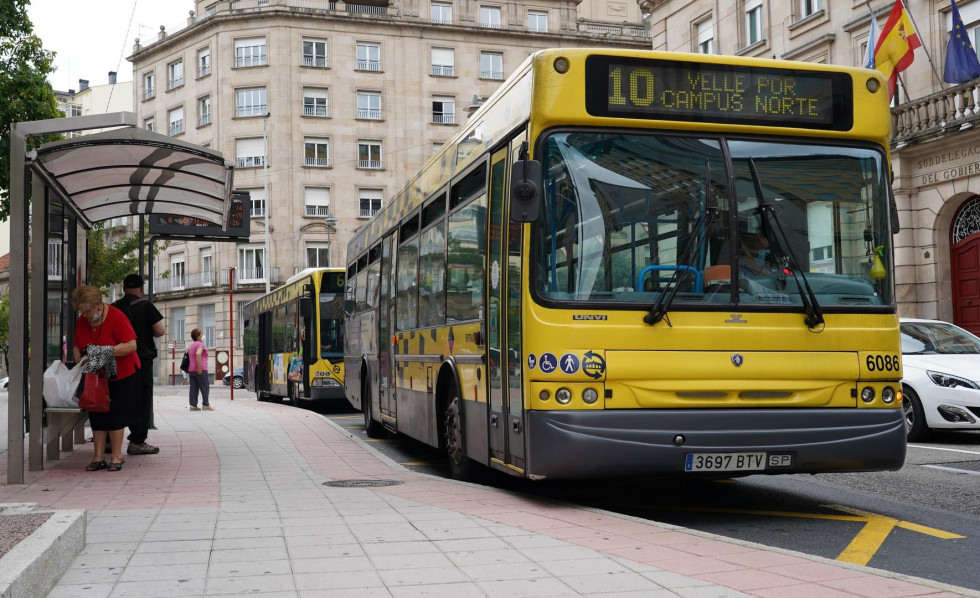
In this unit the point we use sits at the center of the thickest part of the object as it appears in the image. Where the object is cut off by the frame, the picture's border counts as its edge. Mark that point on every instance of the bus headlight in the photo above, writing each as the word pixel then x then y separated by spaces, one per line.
pixel 888 395
pixel 867 394
pixel 589 395
pixel 563 396
pixel 872 85
pixel 561 65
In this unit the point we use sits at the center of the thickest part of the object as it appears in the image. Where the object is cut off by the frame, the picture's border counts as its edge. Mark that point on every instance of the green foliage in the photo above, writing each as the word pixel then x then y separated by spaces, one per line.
pixel 27 96
pixel 109 263
pixel 4 321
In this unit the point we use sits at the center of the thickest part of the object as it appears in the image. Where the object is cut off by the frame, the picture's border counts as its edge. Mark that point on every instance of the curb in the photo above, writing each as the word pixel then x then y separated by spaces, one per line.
pixel 36 563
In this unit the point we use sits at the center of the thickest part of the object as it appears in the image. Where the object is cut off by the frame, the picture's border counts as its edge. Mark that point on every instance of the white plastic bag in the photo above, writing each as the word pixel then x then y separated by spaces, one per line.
pixel 60 384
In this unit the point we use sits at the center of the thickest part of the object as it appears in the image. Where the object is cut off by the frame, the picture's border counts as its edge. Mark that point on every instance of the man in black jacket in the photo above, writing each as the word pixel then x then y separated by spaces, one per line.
pixel 148 324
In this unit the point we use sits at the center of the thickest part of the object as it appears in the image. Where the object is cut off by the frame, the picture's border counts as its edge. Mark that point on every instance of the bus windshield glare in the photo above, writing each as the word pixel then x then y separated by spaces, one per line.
pixel 622 222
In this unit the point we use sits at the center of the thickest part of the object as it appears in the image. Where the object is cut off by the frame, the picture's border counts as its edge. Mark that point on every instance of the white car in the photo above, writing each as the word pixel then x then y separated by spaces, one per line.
pixel 941 383
pixel 3 383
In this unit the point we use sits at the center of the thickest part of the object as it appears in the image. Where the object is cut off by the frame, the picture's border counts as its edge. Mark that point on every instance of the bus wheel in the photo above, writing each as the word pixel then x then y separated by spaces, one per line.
pixel 372 428
pixel 261 396
pixel 460 466
pixel 294 394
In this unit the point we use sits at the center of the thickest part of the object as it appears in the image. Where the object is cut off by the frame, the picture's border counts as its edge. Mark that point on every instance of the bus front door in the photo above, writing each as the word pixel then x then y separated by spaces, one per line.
pixel 503 325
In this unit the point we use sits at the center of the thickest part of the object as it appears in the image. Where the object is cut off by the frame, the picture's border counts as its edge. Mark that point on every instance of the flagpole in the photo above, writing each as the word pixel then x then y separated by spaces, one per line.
pixel 923 46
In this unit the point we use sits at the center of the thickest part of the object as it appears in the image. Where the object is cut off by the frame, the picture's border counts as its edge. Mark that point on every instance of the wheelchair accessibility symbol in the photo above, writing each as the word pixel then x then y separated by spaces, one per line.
pixel 548 363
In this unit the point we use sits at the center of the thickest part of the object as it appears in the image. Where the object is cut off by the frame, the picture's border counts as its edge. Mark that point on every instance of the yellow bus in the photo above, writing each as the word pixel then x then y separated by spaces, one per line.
pixel 633 262
pixel 304 318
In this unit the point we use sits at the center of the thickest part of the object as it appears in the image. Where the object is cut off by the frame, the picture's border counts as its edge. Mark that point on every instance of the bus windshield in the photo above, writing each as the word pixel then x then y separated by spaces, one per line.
pixel 623 221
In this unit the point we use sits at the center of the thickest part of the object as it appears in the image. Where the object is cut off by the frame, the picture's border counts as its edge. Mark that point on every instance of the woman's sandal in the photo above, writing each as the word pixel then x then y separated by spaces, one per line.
pixel 96 466
pixel 114 467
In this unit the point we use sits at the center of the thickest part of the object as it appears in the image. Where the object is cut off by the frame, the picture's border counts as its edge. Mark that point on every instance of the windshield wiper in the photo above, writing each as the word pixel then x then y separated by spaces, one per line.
pixel 658 311
pixel 814 315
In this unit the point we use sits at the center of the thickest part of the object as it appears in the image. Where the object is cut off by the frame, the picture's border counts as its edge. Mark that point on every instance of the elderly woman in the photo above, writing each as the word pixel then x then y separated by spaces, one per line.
pixel 103 329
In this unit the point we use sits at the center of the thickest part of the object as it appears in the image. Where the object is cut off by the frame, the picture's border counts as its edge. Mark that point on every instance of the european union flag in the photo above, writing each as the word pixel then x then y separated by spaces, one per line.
pixel 961 58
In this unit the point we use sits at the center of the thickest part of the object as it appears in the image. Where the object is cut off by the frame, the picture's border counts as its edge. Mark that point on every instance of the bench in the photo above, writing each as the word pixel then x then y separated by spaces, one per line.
pixel 67 425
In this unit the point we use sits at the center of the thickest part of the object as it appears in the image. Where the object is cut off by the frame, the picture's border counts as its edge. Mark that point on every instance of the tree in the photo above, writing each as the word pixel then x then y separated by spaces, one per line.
pixel 109 263
pixel 24 68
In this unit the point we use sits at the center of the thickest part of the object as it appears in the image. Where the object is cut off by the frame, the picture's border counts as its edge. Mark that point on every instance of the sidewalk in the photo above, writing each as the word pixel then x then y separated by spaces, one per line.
pixel 235 503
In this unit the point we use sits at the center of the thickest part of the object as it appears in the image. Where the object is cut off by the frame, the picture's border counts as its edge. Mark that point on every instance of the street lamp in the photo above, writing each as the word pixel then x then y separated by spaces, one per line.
pixel 265 183
pixel 331 223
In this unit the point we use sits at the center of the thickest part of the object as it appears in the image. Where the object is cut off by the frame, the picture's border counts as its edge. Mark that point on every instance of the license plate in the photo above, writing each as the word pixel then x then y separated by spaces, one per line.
pixel 725 462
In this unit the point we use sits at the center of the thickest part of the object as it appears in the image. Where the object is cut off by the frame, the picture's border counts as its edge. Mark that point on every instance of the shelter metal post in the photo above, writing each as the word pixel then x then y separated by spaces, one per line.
pixel 39 305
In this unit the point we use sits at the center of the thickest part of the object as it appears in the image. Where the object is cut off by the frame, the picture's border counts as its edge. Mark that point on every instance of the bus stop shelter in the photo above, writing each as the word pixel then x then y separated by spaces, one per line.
pixel 72 184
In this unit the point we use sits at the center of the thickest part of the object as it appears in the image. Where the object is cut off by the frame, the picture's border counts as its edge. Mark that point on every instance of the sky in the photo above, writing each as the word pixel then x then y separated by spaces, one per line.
pixel 92 37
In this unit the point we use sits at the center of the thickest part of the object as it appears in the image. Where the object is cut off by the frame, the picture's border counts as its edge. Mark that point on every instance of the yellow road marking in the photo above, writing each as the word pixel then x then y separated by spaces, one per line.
pixel 864 545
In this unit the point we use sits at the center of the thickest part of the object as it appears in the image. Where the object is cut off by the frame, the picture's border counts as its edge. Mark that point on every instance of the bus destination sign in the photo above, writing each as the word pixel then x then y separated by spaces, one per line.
pixel 719 93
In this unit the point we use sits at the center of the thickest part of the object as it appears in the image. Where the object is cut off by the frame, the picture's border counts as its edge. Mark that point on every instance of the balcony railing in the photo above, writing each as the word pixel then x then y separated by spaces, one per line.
pixel 176 127
pixel 446 119
pixel 316 162
pixel 312 210
pixel 491 74
pixel 214 280
pixel 197 280
pixel 369 163
pixel 248 161
pixel 255 275
pixel 149 93
pixel 368 65
pixel 243 61
pixel 205 119
pixel 314 110
pixel 443 70
pixel 947 111
pixel 204 70
pixel 605 29
pixel 244 111
pixel 369 114
pixel 175 82
pixel 317 61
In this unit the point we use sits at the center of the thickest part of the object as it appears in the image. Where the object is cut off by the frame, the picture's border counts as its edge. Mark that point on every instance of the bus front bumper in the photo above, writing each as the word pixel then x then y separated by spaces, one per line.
pixel 594 444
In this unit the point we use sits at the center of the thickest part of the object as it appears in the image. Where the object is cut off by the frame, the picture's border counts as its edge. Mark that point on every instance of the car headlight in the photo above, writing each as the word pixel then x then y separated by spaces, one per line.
pixel 951 381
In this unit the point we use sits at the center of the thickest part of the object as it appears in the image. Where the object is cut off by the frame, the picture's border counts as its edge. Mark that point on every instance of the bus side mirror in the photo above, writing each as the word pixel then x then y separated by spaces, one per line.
pixel 305 307
pixel 525 191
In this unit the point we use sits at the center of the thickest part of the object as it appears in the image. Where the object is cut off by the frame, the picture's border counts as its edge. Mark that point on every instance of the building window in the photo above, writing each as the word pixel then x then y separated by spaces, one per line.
pixel 204 62
pixel 369 154
pixel 176 119
pixel 251 263
pixel 257 202
pixel 150 124
pixel 205 321
pixel 444 110
pixel 808 7
pixel 537 21
pixel 207 269
pixel 753 22
pixel 177 272
pixel 436 146
pixel 55 261
pixel 442 12
pixel 370 200
pixel 317 201
pixel 706 37
pixel 314 52
pixel 175 74
pixel 369 105
pixel 250 152
pixel 315 152
pixel 491 65
pixel 315 101
pixel 250 102
pixel 250 52
pixel 443 61
pixel 204 111
pixel 177 323
pixel 317 255
pixel 149 86
pixel 490 17
pixel 368 56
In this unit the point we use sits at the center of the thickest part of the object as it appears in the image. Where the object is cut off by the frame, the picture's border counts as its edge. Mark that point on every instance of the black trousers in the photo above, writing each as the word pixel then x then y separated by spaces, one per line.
pixel 142 412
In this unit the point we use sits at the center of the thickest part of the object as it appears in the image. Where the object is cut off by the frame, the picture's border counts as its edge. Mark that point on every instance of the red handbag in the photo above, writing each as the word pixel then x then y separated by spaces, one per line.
pixel 95 394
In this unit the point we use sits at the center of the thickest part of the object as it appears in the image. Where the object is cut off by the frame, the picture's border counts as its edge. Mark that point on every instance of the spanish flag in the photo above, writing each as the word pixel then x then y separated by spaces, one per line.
pixel 896 45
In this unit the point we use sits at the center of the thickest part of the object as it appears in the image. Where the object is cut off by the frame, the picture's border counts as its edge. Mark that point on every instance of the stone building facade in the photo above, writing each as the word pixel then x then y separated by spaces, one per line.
pixel 352 97
pixel 936 143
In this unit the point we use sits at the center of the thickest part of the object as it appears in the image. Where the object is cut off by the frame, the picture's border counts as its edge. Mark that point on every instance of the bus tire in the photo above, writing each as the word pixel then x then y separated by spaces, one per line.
pixel 372 427
pixel 294 394
pixel 916 429
pixel 460 466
